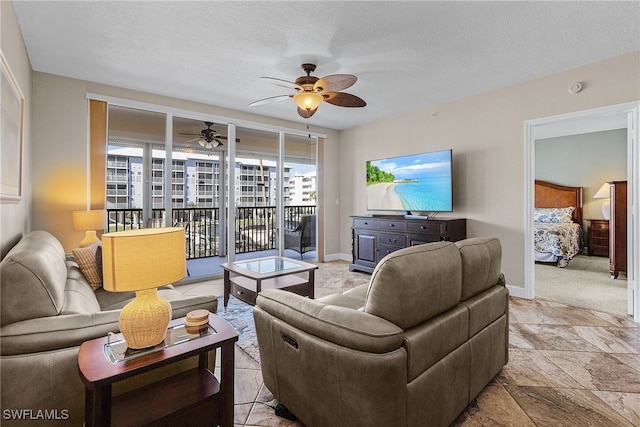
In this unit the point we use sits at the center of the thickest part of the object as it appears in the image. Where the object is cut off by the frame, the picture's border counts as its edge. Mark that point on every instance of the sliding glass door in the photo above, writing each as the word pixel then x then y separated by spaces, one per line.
pixel 253 196
pixel 301 197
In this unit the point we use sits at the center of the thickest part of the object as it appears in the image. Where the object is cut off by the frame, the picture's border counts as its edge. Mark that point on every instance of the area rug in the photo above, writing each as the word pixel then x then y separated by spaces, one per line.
pixel 240 316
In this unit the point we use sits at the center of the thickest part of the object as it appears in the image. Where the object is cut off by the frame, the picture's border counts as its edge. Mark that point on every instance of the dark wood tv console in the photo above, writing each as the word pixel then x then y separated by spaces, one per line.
pixel 378 235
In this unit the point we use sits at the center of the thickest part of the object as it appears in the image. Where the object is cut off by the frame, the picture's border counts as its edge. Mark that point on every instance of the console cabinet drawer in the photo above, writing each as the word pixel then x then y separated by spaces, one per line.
pixel 393 225
pixel 385 250
pixel 427 227
pixel 393 239
pixel 366 223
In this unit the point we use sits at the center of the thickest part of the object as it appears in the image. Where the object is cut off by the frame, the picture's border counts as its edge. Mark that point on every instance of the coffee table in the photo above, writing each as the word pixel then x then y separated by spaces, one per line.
pixel 245 279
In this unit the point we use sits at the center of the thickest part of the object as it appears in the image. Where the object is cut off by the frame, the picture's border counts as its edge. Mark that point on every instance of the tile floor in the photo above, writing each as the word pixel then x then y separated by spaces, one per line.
pixel 567 366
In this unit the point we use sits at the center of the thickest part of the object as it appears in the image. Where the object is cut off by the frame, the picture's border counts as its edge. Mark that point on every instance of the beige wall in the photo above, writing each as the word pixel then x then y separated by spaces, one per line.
pixel 15 218
pixel 60 163
pixel 585 160
pixel 486 133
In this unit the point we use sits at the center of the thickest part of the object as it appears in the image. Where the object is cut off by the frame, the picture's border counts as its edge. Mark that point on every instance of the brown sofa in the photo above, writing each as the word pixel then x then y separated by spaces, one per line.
pixel 47 310
pixel 412 348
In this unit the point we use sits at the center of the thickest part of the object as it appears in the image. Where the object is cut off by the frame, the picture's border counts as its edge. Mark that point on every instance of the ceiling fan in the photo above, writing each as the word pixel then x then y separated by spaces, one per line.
pixel 208 138
pixel 311 91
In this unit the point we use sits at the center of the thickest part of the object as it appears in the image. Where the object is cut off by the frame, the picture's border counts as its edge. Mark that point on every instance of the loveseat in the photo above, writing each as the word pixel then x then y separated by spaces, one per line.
pixel 412 348
pixel 48 309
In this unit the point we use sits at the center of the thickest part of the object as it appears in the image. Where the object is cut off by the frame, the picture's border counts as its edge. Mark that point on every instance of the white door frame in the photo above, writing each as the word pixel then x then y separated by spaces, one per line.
pixel 605 118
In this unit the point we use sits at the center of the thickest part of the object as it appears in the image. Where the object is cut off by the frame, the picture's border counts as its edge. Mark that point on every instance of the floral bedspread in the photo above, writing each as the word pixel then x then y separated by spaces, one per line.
pixel 561 240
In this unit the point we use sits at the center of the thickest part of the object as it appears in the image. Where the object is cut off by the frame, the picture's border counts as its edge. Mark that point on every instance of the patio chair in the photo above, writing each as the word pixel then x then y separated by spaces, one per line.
pixel 303 238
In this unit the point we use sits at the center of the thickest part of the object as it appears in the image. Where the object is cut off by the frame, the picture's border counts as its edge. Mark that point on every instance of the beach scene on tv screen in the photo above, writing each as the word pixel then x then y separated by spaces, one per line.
pixel 420 182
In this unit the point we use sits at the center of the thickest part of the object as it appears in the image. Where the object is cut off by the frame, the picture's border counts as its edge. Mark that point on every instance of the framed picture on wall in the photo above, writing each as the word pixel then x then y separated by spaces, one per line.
pixel 11 129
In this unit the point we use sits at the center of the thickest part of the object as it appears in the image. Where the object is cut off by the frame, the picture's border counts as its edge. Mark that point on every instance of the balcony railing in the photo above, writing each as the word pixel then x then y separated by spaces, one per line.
pixel 255 226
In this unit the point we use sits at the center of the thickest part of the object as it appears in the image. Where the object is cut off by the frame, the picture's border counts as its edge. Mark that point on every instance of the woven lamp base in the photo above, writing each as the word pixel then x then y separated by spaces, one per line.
pixel 143 322
pixel 90 238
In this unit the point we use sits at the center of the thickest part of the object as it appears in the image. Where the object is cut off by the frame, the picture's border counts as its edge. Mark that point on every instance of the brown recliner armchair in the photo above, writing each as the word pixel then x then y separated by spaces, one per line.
pixel 302 238
pixel 412 348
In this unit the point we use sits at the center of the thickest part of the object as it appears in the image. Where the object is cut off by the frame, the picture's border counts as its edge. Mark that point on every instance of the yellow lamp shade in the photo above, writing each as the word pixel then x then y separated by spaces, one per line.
pixel 89 221
pixel 141 260
pixel 307 100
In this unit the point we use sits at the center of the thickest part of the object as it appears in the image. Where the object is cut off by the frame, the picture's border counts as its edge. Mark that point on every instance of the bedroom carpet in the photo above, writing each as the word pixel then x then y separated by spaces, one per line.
pixel 584 283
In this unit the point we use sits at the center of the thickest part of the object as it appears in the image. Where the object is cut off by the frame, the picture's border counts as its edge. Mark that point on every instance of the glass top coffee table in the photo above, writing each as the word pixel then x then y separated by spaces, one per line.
pixel 245 279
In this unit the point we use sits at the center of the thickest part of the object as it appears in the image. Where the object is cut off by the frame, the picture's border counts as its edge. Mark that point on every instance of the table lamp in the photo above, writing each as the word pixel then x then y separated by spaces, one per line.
pixel 89 221
pixel 142 260
pixel 604 193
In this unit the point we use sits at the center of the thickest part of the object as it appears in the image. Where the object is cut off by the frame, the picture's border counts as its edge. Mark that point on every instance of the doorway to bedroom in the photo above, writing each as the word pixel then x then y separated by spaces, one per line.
pixel 581 278
pixel 623 118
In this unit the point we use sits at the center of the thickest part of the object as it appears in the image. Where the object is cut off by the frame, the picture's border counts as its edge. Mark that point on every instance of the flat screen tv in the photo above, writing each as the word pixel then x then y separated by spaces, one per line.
pixel 411 183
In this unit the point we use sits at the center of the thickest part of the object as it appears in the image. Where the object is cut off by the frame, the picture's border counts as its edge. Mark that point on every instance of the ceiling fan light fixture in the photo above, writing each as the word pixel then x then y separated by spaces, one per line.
pixel 308 100
pixel 202 142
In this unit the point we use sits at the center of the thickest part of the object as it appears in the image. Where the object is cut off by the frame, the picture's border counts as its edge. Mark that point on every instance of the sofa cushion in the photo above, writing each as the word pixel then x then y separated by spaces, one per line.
pixel 33 276
pixel 79 297
pixel 180 303
pixel 353 298
pixel 481 260
pixel 414 284
pixel 89 260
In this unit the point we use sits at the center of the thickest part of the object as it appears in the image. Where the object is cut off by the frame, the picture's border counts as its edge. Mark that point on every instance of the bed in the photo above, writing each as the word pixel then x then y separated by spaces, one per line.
pixel 557 222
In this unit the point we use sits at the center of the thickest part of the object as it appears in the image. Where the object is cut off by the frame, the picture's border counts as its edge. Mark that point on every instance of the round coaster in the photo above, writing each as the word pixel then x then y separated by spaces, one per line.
pixel 197 318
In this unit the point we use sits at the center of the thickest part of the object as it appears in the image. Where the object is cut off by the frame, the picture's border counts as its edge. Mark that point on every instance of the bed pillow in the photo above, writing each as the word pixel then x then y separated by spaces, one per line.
pixel 553 215
pixel 89 260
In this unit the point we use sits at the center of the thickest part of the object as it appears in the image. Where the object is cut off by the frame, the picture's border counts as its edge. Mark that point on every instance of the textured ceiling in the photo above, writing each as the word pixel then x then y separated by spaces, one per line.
pixel 406 55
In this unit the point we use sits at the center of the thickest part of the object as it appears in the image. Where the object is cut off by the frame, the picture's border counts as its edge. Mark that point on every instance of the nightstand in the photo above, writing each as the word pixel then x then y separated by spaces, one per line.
pixel 598 237
pixel 194 397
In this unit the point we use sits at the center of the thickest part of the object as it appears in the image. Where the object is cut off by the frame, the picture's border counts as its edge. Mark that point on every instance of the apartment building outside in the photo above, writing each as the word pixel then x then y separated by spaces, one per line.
pixel 195 181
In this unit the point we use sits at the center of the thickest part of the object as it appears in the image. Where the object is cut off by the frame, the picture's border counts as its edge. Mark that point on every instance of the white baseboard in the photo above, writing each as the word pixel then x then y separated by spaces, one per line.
pixel 517 291
pixel 337 257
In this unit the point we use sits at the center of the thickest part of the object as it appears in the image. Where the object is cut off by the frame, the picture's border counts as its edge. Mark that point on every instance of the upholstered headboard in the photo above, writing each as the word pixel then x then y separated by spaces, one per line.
pixel 548 195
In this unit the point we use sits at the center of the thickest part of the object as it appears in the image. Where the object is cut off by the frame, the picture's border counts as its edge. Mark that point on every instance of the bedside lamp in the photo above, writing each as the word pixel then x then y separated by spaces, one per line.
pixel 604 193
pixel 89 221
pixel 142 260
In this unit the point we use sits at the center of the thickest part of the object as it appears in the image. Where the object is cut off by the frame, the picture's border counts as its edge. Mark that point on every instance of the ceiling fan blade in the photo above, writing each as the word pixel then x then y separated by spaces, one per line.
pixel 188 134
pixel 335 82
pixel 284 83
pixel 270 99
pixel 342 99
pixel 192 139
pixel 305 114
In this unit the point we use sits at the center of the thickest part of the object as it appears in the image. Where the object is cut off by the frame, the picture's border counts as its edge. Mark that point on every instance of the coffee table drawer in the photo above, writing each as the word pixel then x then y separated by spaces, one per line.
pixel 243 294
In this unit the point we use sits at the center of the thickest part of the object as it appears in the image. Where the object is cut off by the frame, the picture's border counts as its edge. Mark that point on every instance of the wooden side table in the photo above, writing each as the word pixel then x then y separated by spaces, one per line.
pixel 598 237
pixel 195 395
